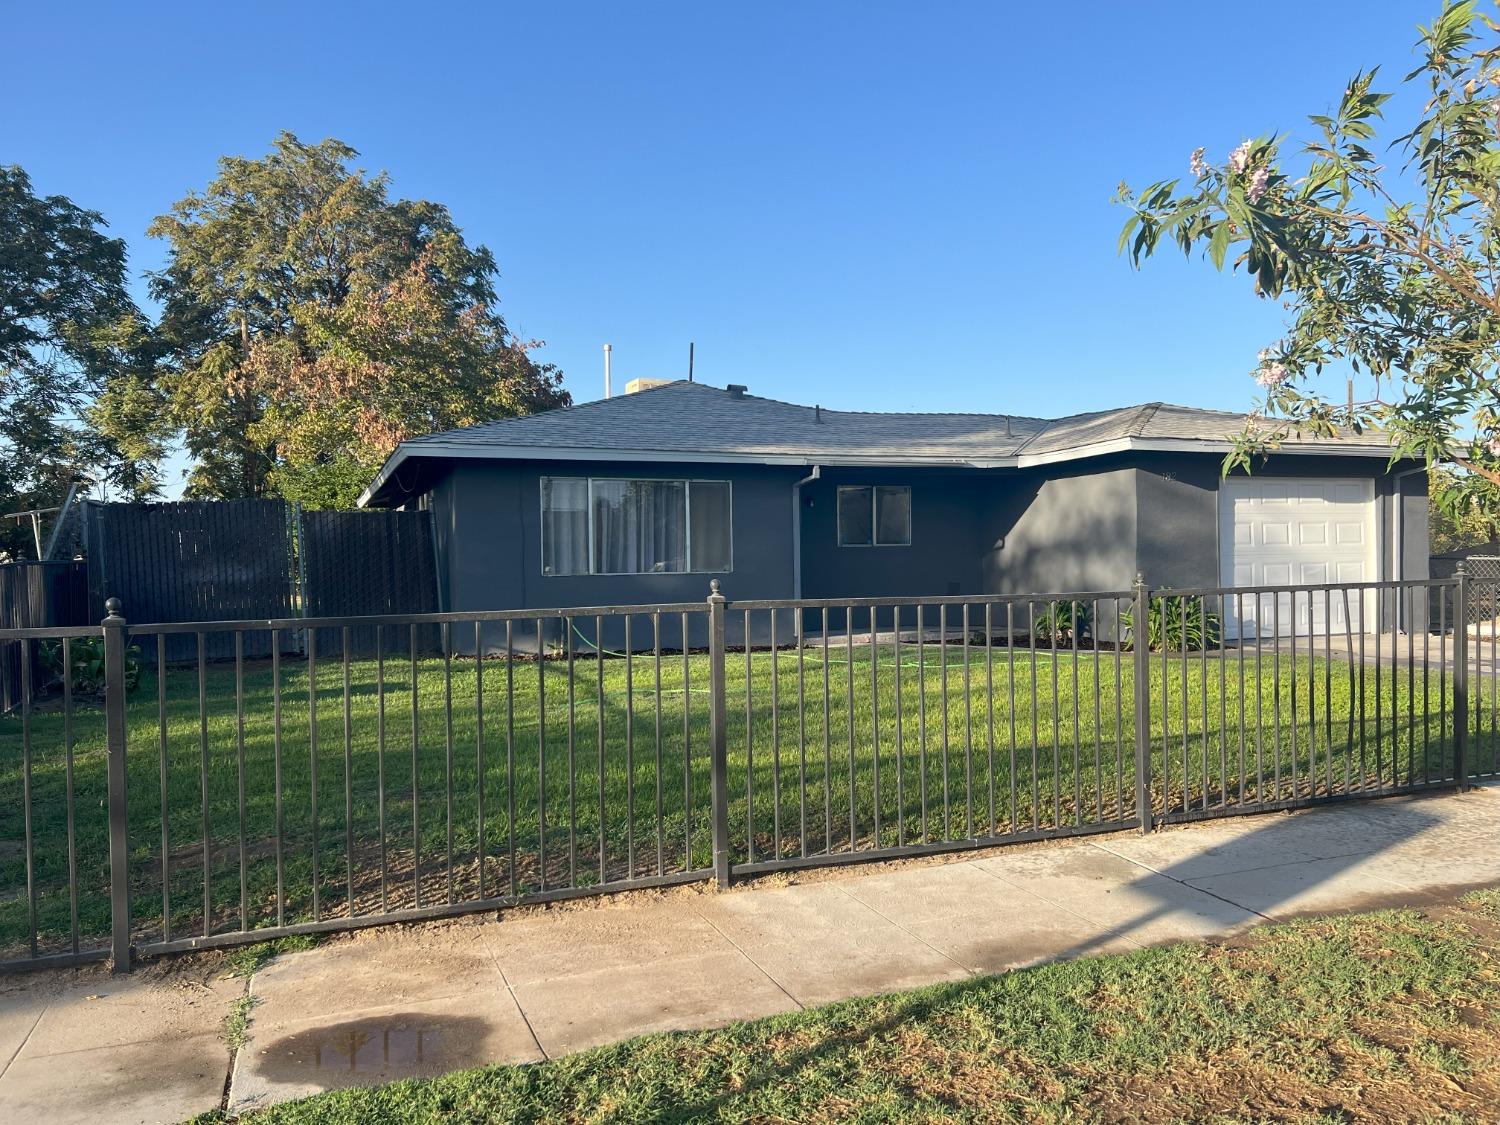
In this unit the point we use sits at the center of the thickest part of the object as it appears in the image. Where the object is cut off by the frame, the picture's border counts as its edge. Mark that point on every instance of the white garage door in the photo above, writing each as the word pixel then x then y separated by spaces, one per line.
pixel 1292 532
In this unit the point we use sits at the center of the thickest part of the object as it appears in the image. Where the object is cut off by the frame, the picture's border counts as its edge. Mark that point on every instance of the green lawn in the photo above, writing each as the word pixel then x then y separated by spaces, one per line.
pixel 1392 1016
pixel 1051 752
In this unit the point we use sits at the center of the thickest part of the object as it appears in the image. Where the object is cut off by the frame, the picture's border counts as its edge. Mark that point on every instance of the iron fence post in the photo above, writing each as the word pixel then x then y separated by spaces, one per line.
pixel 1139 634
pixel 718 750
pixel 1461 679
pixel 113 628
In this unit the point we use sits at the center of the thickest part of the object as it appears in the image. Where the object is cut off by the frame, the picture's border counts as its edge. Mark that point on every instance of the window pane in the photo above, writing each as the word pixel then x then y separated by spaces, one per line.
pixel 854 517
pixel 893 516
pixel 711 522
pixel 640 526
pixel 565 525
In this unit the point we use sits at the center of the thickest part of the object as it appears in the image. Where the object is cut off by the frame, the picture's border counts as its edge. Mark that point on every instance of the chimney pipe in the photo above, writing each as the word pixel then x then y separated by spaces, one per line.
pixel 690 361
pixel 607 389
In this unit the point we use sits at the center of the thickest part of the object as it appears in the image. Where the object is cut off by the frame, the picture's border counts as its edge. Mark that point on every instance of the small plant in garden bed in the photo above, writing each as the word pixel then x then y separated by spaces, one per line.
pixel 86 665
pixel 1063 623
pixel 1178 623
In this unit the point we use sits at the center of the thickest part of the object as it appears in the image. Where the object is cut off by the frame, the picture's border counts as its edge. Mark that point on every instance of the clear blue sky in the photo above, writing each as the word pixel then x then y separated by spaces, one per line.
pixel 870 206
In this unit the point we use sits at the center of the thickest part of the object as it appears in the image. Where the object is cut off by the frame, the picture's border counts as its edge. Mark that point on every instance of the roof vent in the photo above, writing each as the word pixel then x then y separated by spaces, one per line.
pixel 736 390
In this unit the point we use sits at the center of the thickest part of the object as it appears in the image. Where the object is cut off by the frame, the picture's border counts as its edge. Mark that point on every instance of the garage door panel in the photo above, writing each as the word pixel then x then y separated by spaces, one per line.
pixel 1303 532
pixel 1312 573
pixel 1349 571
pixel 1274 574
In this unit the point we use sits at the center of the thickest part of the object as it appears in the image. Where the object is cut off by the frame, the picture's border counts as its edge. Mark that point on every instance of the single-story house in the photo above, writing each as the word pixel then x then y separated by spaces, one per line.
pixel 644 497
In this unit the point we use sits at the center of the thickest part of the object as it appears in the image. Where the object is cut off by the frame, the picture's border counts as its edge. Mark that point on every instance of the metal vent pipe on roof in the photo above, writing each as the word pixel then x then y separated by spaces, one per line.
pixel 607 350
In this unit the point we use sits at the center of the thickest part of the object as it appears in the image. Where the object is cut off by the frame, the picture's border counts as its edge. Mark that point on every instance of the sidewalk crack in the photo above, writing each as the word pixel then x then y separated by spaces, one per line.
pixel 758 966
pixel 1184 883
pixel 908 933
pixel 516 1000
pixel 22 1045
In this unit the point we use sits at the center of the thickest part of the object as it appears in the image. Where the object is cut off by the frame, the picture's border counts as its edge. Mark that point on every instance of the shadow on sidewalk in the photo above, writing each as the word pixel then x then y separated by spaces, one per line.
pixel 1286 840
pixel 1300 844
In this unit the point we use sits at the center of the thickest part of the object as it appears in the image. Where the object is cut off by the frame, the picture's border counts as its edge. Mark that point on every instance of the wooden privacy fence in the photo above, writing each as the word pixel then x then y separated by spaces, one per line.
pixel 34 595
pixel 193 561
pixel 257 559
pixel 356 563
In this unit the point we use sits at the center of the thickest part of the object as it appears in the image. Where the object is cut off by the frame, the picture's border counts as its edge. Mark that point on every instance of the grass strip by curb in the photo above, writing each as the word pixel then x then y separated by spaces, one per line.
pixel 1393 1015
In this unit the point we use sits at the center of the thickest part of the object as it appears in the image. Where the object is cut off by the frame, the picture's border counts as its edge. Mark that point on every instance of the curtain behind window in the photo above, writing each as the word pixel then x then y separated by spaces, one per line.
pixel 640 526
pixel 712 544
pixel 565 525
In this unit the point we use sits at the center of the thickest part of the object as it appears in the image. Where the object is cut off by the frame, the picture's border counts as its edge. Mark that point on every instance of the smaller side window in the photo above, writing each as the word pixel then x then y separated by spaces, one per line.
pixel 874 515
pixel 892 516
pixel 856 516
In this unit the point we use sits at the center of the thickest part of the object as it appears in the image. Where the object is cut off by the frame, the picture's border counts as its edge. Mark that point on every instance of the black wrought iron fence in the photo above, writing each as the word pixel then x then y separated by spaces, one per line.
pixel 473 761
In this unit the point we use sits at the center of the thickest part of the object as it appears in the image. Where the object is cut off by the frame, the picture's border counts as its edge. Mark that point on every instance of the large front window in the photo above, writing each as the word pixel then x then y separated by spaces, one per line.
pixel 601 525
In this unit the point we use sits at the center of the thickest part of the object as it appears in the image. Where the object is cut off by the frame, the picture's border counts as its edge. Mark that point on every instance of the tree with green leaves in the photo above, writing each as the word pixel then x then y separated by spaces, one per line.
pixel 1466 523
pixel 310 322
pixel 1386 256
pixel 68 330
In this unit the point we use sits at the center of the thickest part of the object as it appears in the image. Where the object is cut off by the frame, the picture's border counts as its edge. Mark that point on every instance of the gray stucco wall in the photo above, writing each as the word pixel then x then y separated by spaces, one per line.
pixel 1068 529
pixel 488 524
pixel 947 531
pixel 1089 526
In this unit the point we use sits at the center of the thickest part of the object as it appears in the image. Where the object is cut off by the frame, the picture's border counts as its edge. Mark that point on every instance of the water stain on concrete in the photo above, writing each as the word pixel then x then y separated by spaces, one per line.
pixel 374 1048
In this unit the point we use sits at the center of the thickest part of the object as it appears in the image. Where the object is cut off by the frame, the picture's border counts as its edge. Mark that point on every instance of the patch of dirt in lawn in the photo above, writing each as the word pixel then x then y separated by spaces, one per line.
pixel 1238 1087
pixel 1388 1068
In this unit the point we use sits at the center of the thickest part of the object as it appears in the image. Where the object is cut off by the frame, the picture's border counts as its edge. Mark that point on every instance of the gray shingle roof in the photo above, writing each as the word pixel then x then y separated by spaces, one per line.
pixel 682 418
pixel 688 417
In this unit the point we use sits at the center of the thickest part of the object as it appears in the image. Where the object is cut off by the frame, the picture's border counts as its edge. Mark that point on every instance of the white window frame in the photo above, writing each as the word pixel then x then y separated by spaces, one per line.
pixel 875 489
pixel 687 489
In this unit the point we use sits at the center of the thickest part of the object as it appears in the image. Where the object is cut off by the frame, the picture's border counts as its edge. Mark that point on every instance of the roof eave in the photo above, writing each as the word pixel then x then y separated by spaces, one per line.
pixel 473 451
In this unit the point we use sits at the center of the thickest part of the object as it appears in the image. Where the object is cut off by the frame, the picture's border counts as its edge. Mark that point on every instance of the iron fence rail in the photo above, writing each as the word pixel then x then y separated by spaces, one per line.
pixel 401 767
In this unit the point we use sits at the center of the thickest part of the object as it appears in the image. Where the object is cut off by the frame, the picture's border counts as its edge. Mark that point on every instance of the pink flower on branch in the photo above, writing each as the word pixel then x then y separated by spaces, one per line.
pixel 1198 165
pixel 1272 374
pixel 1258 181
pixel 1239 159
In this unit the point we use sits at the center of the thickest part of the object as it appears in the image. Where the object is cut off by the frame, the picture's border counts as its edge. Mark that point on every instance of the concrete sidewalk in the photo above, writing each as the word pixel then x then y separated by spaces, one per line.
pixel 394 1003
